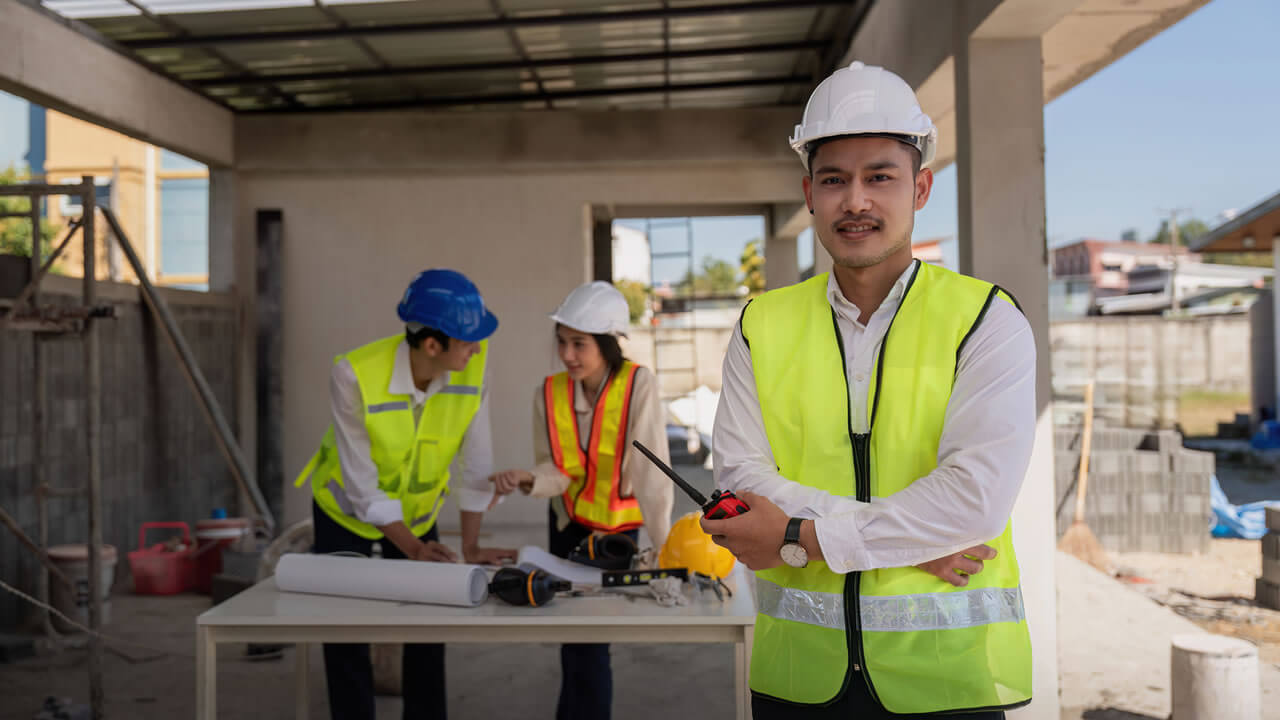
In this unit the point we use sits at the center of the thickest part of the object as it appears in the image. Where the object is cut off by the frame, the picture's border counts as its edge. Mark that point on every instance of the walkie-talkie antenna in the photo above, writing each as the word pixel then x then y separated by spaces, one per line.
pixel 689 490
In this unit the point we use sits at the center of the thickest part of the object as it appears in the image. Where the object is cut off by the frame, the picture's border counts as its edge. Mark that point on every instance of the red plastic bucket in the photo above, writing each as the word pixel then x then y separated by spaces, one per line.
pixel 158 571
pixel 211 537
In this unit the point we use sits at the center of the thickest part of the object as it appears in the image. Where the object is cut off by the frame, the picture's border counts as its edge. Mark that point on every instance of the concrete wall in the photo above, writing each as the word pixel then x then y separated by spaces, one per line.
pixel 1142 364
pixel 505 198
pixel 1146 492
pixel 160 461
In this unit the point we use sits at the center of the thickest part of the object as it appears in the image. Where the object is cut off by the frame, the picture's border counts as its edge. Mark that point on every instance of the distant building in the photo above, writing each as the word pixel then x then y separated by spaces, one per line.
pixel 940 251
pixel 160 198
pixel 631 259
pixel 1086 271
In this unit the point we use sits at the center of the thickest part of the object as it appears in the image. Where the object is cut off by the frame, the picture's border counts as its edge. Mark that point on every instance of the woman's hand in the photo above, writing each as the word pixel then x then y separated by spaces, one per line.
pixel 508 481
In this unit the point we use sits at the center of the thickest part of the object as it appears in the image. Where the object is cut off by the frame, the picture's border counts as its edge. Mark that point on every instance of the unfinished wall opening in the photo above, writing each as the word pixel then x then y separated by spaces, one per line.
pixel 686 277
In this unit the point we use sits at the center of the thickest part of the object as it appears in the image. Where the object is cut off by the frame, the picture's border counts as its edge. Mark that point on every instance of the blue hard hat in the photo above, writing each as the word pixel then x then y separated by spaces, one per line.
pixel 447 301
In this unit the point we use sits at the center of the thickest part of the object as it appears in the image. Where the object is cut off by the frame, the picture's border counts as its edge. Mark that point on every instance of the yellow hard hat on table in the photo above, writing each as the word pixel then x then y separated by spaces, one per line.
pixel 688 546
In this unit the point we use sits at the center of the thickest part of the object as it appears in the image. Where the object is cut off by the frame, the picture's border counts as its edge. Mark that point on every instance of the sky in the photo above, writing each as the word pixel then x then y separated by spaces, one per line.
pixel 1184 121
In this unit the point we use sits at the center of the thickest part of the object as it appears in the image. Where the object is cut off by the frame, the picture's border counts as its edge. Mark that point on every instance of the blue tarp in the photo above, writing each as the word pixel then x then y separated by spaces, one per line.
pixel 1236 521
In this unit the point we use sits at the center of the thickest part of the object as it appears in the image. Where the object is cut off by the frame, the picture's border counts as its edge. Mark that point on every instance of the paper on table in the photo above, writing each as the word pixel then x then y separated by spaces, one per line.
pixel 576 573
pixel 377 579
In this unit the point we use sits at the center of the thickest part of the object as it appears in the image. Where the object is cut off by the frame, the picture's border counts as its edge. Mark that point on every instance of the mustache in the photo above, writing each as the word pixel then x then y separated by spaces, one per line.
pixel 863 219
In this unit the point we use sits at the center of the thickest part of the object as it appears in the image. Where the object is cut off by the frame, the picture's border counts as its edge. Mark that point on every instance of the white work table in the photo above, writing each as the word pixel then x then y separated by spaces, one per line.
pixel 265 614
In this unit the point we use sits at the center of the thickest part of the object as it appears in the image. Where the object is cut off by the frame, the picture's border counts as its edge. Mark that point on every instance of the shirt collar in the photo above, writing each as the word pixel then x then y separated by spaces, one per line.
pixel 839 302
pixel 583 404
pixel 402 378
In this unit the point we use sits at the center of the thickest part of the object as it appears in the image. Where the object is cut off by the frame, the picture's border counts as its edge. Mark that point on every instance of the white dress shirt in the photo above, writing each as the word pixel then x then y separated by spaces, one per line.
pixel 983 454
pixel 360 474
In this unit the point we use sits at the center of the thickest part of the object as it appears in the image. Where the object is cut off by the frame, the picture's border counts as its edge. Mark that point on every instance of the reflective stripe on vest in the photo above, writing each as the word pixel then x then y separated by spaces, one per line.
pixel 593 497
pixel 893 613
pixel 412 459
pixel 921 645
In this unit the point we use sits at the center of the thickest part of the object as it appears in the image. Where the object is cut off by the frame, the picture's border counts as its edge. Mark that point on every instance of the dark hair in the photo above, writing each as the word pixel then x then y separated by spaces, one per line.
pixel 916 159
pixel 609 348
pixel 415 338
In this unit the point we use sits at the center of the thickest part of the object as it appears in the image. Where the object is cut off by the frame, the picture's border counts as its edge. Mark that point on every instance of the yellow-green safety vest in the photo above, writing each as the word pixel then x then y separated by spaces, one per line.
pixel 920 644
pixel 413 463
pixel 594 497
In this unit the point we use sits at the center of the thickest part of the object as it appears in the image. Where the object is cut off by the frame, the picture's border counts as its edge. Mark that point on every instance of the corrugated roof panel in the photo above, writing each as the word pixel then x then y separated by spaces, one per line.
pixel 304 16
pixel 82 9
pixel 553 7
pixel 134 27
pixel 170 7
pixel 443 48
pixel 314 56
pixel 359 12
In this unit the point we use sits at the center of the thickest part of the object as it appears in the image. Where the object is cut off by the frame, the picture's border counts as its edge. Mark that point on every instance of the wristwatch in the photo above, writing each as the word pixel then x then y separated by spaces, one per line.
pixel 793 553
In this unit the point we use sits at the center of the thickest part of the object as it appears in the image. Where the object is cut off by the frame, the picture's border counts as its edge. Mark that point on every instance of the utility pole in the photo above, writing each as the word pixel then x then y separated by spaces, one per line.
pixel 1174 301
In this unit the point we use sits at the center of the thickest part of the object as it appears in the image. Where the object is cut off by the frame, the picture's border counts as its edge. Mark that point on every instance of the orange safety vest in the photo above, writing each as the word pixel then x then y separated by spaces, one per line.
pixel 594 498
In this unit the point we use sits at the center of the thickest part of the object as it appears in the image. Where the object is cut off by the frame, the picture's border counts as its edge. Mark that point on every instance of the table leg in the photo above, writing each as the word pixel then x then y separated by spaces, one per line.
pixel 742 670
pixel 302 671
pixel 206 674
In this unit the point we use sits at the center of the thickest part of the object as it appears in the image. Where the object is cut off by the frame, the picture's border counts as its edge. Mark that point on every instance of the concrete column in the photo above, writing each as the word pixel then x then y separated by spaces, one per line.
pixel 1275 319
pixel 1000 159
pixel 781 266
pixel 222 221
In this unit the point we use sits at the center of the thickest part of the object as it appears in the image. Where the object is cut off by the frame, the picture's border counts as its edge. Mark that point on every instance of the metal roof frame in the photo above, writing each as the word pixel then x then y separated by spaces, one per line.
pixel 502 22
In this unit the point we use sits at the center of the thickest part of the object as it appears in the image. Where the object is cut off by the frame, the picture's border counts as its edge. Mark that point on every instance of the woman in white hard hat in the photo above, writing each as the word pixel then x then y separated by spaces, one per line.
pixel 584 420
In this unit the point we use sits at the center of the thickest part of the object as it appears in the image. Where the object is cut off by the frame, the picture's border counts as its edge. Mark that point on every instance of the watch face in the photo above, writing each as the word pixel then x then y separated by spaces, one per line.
pixel 794 555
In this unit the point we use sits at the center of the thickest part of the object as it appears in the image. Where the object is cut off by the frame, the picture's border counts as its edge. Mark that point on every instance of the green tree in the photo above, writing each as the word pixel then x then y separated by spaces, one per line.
pixel 637 295
pixel 716 278
pixel 15 233
pixel 1187 232
pixel 1130 235
pixel 751 267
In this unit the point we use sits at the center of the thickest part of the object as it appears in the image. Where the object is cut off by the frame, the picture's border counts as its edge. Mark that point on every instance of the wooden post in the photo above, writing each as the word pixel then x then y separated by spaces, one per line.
pixel 1214 677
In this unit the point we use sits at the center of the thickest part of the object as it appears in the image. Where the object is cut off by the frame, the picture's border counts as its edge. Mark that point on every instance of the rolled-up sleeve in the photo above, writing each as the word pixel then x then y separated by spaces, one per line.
pixel 983 456
pixel 476 461
pixel 359 473
pixel 653 490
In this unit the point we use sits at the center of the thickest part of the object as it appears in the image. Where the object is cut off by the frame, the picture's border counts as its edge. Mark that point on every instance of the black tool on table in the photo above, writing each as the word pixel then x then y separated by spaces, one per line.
pixel 534 588
pixel 628 578
pixel 723 503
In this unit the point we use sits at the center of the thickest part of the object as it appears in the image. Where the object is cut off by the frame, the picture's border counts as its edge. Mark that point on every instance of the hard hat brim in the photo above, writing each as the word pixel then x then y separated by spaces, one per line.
pixel 556 317
pixel 488 326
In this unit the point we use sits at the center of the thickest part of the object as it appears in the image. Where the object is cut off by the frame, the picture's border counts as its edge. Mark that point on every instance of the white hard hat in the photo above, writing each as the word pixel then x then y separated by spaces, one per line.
pixel 864 100
pixel 596 308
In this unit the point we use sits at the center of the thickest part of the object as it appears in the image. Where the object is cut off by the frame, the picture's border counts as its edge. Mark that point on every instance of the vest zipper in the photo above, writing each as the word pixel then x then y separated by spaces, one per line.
pixel 861 447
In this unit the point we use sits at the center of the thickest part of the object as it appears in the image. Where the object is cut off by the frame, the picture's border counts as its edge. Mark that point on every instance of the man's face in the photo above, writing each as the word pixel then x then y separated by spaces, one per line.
pixel 454 359
pixel 864 197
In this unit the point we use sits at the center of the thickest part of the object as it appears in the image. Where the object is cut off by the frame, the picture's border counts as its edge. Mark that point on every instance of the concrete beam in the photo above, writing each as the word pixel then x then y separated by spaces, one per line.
pixel 790 219
pixel 477 143
pixel 51 62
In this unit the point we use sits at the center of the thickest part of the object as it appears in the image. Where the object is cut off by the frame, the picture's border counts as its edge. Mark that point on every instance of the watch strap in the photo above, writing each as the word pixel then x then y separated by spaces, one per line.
pixel 792 535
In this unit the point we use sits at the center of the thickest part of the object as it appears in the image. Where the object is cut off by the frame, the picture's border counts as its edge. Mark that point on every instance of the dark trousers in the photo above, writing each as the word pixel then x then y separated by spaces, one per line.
pixel 348 670
pixel 855 703
pixel 586 680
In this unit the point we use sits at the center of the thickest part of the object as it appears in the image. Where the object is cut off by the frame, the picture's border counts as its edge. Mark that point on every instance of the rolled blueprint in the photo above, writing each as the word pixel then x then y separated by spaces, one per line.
pixel 375 579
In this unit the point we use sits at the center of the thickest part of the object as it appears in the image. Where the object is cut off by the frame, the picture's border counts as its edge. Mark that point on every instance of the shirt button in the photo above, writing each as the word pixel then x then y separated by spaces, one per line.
pixel 859 377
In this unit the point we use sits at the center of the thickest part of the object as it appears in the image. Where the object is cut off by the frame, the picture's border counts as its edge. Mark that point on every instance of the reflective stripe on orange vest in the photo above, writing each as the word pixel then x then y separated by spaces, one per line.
pixel 594 496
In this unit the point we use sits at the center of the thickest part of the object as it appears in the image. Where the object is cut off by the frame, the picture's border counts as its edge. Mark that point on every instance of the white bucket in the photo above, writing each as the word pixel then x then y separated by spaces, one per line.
pixel 73 561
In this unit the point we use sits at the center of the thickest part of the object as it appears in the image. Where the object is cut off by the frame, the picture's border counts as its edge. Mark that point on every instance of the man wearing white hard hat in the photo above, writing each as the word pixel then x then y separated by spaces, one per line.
pixel 584 420
pixel 878 420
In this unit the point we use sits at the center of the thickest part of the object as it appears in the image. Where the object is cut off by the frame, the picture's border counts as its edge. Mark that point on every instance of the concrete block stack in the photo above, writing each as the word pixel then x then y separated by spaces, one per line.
pixel 1146 492
pixel 1267 588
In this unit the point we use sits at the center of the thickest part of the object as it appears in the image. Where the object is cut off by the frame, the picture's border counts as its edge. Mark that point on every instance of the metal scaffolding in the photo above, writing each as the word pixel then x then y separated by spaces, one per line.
pixel 25 313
